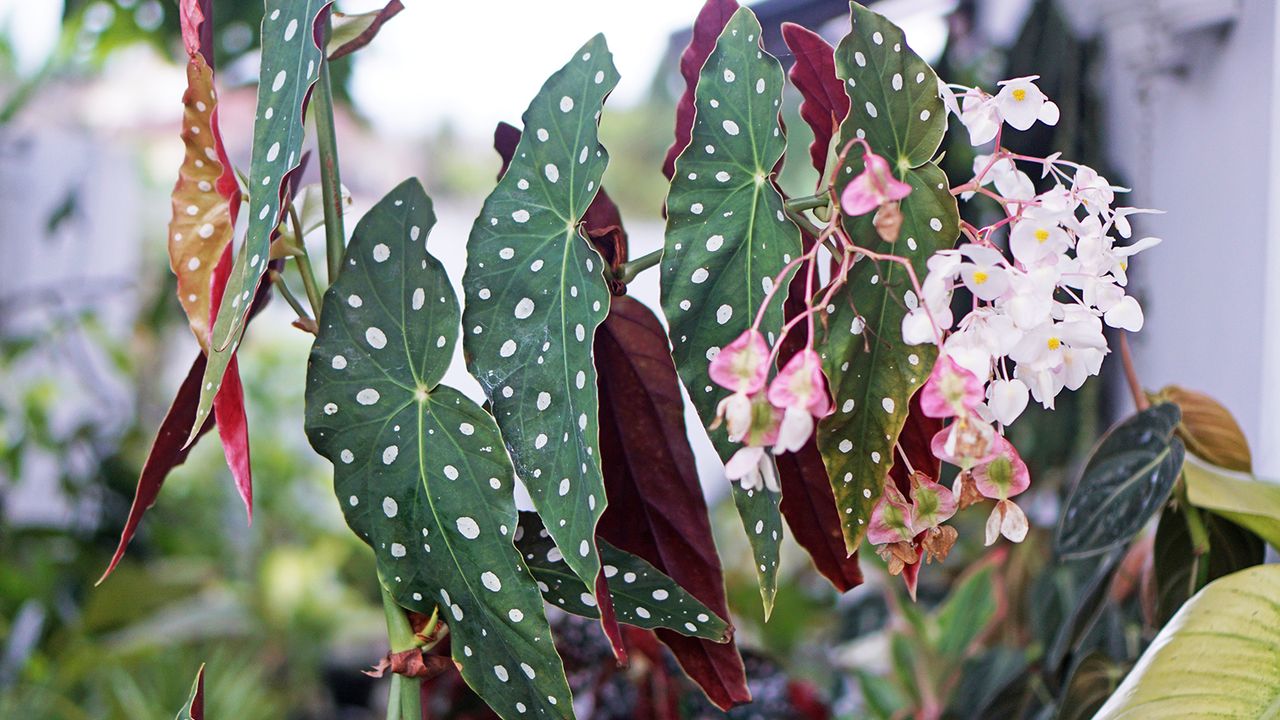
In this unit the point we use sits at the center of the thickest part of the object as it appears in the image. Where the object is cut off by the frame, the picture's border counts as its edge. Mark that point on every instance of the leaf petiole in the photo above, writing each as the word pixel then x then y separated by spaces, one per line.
pixel 403 703
pixel 629 270
pixel 807 202
pixel 278 280
pixel 330 182
pixel 303 260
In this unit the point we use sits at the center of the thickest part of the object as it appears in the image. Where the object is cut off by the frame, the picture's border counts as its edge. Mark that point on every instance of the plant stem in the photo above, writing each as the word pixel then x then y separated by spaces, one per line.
pixel 1131 374
pixel 309 282
pixel 808 202
pixel 403 703
pixel 798 217
pixel 330 184
pixel 629 270
pixel 289 297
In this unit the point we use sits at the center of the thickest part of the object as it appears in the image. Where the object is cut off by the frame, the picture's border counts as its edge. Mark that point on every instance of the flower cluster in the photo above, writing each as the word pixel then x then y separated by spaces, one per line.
pixel 760 414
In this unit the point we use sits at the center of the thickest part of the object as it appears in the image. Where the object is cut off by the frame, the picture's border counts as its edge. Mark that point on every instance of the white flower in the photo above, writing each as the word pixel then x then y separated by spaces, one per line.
pixel 1037 236
pixel 1011 183
pixel 1030 302
pixel 1007 398
pixel 979 115
pixel 1126 315
pixel 796 428
pixel 1093 190
pixel 753 468
pixel 984 276
pixel 1021 103
pixel 736 411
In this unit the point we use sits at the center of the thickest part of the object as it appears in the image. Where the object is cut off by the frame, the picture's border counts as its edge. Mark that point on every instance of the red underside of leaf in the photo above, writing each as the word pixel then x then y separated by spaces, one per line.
pixel 711 20
pixel 656 508
pixel 228 404
pixel 808 503
pixel 609 621
pixel 824 103
pixel 389 11
pixel 167 452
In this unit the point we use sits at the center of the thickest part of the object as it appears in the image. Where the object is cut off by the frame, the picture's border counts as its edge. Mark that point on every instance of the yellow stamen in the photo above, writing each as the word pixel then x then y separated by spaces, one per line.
pixel 1054 343
pixel 979 277
pixel 1042 235
pixel 1019 94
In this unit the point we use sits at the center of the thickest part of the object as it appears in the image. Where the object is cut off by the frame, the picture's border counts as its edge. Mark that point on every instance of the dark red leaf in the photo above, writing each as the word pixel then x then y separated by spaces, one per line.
pixel 656 509
pixel 824 103
pixel 167 452
pixel 609 621
pixel 808 503
pixel 369 33
pixel 711 20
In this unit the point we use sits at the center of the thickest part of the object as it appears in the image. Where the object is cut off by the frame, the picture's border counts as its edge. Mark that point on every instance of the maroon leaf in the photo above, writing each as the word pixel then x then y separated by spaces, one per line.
pixel 808 503
pixel 369 23
pixel 711 20
pixel 167 452
pixel 824 103
pixel 656 509
pixel 609 620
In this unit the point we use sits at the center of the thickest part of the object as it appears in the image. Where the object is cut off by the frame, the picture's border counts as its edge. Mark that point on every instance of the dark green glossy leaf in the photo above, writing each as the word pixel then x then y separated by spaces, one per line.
pixel 893 93
pixel 727 239
pixel 894 105
pixel 419 469
pixel 290 66
pixel 1092 681
pixel 1126 482
pixel 1180 571
pixel 1239 497
pixel 643 595
pixel 535 295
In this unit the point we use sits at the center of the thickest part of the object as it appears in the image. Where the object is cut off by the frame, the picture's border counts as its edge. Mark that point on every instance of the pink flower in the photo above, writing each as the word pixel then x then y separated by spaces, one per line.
pixel 873 187
pixel 1003 476
pixel 750 465
pixel 743 365
pixel 933 503
pixel 800 391
pixel 950 391
pixel 892 518
pixel 965 443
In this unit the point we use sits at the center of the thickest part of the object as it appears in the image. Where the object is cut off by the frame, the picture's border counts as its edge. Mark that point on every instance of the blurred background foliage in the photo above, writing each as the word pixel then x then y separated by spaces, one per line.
pixel 286 613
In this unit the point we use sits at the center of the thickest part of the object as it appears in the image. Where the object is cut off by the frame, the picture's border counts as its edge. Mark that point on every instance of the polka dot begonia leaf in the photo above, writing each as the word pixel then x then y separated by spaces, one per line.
pixel 194 707
pixel 893 104
pixel 727 239
pixel 419 469
pixel 205 199
pixel 535 293
pixel 290 66
pixel 642 595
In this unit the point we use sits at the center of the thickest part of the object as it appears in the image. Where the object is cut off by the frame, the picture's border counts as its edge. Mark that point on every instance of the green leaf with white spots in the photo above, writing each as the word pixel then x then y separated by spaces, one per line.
pixel 535 293
pixel 727 239
pixel 893 93
pixel 419 469
pixel 194 709
pixel 643 595
pixel 872 373
pixel 290 66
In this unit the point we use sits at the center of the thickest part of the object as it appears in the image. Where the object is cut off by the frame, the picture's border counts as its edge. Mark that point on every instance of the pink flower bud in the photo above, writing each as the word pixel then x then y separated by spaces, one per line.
pixel 743 365
pixel 934 504
pixel 965 443
pixel 892 518
pixel 873 187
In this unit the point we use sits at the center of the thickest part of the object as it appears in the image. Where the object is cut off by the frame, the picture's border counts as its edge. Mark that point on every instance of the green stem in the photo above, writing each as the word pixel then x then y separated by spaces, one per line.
pixel 630 270
pixel 798 217
pixel 330 183
pixel 305 269
pixel 278 280
pixel 808 202
pixel 403 702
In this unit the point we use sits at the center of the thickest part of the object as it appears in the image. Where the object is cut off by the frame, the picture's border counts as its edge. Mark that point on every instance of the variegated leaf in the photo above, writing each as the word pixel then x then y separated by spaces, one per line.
pixel 727 239
pixel 893 104
pixel 535 293
pixel 643 595
pixel 419 469
pixel 290 66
